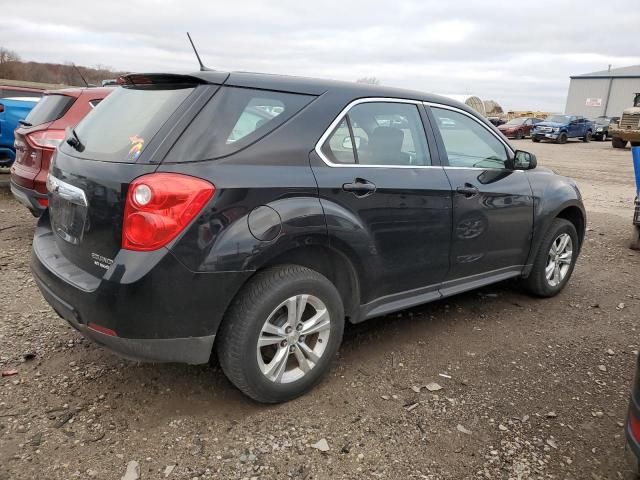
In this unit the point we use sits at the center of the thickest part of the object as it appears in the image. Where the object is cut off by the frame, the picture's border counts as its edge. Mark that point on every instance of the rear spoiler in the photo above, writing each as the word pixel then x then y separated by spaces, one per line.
pixel 174 79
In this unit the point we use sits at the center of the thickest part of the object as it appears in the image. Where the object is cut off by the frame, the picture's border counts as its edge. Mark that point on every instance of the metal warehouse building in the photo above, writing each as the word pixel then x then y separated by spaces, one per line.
pixel 603 93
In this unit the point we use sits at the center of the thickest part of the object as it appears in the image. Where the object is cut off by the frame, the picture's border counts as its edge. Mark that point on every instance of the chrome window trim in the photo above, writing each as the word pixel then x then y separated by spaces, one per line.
pixel 340 117
pixel 459 110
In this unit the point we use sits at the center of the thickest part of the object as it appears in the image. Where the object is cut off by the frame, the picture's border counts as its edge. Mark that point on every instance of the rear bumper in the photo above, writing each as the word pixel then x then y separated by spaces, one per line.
pixel 29 198
pixel 148 306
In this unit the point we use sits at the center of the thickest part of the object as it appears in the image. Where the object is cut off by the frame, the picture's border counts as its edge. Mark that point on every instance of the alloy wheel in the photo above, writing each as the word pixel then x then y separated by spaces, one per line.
pixel 293 339
pixel 559 259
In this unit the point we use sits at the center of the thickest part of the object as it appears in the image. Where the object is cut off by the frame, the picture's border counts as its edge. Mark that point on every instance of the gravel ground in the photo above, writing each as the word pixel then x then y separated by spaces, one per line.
pixel 526 388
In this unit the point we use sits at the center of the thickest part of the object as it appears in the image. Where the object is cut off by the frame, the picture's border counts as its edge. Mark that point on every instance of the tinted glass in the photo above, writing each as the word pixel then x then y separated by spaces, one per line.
pixel 383 134
pixel 49 108
pixel 233 119
pixel 467 142
pixel 337 148
pixel 120 126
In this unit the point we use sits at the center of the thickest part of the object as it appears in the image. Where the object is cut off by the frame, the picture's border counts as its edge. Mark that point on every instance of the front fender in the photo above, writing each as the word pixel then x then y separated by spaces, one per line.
pixel 553 194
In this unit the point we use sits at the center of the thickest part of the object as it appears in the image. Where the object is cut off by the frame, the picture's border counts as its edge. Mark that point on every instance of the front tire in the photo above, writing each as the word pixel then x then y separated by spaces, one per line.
pixel 618 142
pixel 562 138
pixel 280 334
pixel 555 260
pixel 535 140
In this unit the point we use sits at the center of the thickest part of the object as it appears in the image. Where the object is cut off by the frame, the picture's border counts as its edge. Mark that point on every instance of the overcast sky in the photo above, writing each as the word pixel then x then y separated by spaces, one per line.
pixel 519 53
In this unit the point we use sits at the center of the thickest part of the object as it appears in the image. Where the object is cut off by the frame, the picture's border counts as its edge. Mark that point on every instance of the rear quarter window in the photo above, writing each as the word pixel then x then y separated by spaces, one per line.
pixel 233 119
pixel 49 108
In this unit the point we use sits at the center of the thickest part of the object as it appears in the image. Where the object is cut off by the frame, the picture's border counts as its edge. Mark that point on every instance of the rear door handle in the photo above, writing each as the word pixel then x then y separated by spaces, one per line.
pixel 360 187
pixel 468 190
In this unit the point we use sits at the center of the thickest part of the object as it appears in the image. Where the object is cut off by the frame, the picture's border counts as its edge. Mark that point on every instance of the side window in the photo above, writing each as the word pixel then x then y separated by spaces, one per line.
pixel 467 142
pixel 379 133
pixel 94 103
pixel 338 148
pixel 528 121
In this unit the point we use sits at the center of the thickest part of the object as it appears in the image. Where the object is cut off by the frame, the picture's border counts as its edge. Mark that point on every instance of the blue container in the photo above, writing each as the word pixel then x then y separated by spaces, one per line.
pixel 635 153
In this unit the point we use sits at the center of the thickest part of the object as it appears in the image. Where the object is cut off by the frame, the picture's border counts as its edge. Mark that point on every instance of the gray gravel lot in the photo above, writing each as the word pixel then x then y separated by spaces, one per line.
pixel 530 388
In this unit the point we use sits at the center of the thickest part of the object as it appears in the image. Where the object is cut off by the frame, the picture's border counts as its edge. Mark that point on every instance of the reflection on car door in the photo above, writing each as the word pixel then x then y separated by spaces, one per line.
pixel 385 198
pixel 492 205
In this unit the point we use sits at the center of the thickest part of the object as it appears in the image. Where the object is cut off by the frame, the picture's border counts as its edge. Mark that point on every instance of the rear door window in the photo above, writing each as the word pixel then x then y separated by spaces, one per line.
pixel 121 125
pixel 233 119
pixel 49 108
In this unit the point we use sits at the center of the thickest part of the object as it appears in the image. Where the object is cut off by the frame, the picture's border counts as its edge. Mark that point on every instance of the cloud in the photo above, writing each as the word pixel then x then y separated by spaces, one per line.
pixel 518 53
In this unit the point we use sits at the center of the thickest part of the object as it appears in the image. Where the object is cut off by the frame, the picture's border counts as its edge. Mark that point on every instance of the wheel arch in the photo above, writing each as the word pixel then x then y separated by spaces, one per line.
pixel 332 264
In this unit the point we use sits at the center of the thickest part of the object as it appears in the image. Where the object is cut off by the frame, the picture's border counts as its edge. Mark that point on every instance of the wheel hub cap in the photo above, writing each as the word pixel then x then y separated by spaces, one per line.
pixel 559 259
pixel 293 338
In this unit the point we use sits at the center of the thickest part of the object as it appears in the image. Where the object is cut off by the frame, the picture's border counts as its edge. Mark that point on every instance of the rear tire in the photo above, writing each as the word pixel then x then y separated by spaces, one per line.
pixel 562 138
pixel 618 142
pixel 587 137
pixel 538 282
pixel 519 135
pixel 535 140
pixel 274 310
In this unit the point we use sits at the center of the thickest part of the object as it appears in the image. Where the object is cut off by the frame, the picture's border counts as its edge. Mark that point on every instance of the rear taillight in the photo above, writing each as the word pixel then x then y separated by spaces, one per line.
pixel 48 139
pixel 159 206
pixel 634 426
pixel 1 108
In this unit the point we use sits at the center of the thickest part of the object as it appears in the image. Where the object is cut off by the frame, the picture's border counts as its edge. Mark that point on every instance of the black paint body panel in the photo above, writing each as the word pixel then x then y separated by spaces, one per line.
pixel 410 242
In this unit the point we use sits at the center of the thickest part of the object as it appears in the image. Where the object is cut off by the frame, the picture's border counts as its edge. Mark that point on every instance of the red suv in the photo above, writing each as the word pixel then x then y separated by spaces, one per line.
pixel 39 135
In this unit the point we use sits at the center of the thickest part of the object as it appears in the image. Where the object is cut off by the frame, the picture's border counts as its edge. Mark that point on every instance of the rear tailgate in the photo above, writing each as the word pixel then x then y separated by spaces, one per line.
pixel 120 140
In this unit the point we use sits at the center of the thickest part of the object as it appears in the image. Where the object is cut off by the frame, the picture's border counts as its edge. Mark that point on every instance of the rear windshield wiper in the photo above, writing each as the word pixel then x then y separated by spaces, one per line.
pixel 24 123
pixel 74 140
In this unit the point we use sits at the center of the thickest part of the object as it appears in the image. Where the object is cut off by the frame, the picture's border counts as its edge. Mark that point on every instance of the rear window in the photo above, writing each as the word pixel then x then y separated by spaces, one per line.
pixel 233 119
pixel 49 108
pixel 121 125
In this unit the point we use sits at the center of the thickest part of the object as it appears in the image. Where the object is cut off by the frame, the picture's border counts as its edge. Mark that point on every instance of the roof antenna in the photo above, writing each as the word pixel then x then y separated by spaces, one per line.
pixel 78 71
pixel 202 67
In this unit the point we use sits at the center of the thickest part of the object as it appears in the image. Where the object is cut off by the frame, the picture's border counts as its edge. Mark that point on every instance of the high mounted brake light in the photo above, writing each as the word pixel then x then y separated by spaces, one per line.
pixel 159 206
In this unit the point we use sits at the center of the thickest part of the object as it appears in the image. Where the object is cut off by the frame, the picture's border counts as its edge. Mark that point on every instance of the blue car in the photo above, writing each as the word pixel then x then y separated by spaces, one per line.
pixel 560 128
pixel 12 110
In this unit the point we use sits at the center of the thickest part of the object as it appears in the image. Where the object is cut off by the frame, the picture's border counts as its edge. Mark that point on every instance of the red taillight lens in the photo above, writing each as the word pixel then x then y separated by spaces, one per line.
pixel 634 426
pixel 43 202
pixel 1 108
pixel 49 139
pixel 159 206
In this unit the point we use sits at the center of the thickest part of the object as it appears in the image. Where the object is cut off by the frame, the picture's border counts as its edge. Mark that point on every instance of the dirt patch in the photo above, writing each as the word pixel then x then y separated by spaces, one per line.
pixel 530 388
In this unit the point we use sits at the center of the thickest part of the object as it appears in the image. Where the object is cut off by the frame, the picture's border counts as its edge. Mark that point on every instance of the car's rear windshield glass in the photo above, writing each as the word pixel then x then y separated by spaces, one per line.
pixel 49 108
pixel 233 119
pixel 120 126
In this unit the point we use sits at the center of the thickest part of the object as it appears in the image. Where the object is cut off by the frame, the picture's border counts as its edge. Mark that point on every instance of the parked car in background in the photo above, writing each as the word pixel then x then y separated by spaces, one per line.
pixel 559 128
pixel 13 91
pixel 12 111
pixel 39 135
pixel 518 127
pixel 632 427
pixel 497 121
pixel 601 125
pixel 251 216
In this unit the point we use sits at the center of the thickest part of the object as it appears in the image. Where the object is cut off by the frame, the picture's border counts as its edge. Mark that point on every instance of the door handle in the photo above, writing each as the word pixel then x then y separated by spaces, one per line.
pixel 360 187
pixel 468 190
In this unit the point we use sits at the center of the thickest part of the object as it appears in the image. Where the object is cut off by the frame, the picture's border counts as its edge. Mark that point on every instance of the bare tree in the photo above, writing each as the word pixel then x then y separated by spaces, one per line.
pixel 369 80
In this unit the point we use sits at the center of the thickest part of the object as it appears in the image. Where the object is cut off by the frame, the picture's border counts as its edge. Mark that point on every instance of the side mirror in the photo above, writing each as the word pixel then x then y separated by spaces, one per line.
pixel 524 160
pixel 346 143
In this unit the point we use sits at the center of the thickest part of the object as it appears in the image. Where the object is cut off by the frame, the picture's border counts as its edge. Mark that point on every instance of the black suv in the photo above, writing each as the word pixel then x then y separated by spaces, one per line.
pixel 251 215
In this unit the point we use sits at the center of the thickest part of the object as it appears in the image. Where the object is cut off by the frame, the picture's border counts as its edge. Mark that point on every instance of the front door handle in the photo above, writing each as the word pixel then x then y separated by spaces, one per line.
pixel 468 190
pixel 360 187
